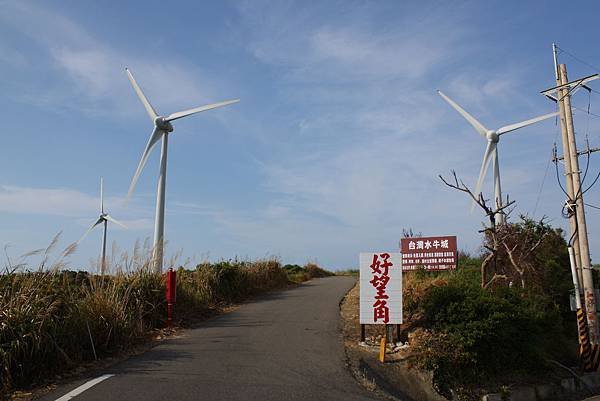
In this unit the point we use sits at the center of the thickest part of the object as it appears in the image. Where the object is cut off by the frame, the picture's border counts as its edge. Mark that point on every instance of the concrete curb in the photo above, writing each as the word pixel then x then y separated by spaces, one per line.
pixel 566 388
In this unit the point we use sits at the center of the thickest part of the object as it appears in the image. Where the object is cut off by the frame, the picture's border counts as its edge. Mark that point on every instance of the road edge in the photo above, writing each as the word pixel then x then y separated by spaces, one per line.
pixel 156 337
pixel 394 381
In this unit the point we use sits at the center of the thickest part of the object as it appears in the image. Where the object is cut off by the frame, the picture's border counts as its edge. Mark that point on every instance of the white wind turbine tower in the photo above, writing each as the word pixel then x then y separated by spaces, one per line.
pixel 491 152
pixel 162 128
pixel 104 218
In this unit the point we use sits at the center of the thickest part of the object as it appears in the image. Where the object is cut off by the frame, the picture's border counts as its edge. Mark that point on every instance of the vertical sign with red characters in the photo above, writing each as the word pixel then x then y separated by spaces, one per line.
pixel 380 288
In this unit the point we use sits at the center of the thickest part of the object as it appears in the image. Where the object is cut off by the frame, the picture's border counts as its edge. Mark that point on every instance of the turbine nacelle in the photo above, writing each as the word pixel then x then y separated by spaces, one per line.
pixel 102 218
pixel 492 136
pixel 163 124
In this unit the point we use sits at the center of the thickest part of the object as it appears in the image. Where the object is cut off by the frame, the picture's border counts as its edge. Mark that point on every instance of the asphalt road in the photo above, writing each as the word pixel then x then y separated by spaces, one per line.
pixel 285 346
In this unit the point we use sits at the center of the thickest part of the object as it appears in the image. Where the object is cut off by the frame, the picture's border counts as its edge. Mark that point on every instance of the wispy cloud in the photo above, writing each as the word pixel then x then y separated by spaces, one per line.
pixel 72 203
pixel 49 201
pixel 95 69
pixel 373 135
pixel 68 202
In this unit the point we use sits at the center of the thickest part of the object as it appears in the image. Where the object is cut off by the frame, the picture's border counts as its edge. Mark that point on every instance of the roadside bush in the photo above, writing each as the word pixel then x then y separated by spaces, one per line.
pixel 299 274
pixel 293 269
pixel 314 271
pixel 469 337
pixel 232 281
pixel 501 318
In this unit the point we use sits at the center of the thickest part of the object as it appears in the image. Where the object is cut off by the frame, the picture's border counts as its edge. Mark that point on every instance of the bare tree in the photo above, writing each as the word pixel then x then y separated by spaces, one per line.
pixel 520 243
pixel 409 233
pixel 492 231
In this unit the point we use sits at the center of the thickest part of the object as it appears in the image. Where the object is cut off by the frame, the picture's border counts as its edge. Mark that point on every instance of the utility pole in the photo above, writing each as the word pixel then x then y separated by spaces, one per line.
pixel 567 163
pixel 577 222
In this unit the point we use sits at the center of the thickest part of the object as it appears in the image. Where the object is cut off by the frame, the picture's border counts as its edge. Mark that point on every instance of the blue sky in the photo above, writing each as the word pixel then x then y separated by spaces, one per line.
pixel 334 148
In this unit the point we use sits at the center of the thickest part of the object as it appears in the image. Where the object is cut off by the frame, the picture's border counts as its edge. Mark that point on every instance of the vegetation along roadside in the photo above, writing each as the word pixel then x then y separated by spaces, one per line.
pixel 489 326
pixel 52 319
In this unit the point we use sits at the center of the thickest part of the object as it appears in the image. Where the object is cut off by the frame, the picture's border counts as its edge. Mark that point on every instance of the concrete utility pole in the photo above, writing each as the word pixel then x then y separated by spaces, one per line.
pixel 577 222
pixel 568 168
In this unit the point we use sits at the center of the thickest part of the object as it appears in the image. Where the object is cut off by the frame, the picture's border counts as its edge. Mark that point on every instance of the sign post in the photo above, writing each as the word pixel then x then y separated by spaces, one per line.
pixel 171 294
pixel 380 290
pixel 429 253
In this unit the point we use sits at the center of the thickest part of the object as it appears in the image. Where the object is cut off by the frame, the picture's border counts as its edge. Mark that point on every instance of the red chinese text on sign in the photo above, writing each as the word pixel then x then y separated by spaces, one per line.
pixel 380 288
pixel 381 265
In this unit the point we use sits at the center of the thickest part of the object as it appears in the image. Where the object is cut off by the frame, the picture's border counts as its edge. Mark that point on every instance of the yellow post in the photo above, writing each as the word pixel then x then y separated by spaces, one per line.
pixel 382 350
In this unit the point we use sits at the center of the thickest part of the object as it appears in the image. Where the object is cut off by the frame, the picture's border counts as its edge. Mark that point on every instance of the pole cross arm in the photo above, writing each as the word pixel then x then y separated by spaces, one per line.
pixel 572 86
pixel 579 153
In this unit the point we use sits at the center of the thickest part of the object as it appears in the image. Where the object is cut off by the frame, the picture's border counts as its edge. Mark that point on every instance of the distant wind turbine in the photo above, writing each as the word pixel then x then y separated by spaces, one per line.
pixel 491 152
pixel 103 219
pixel 162 128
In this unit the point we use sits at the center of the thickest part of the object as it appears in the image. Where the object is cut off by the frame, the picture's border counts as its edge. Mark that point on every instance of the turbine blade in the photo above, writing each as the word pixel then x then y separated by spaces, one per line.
pixel 155 137
pixel 109 218
pixel 99 221
pixel 512 127
pixel 149 109
pixel 484 165
pixel 476 124
pixel 186 113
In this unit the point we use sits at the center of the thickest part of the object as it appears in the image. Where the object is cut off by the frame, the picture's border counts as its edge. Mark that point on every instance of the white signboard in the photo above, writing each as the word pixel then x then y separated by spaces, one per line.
pixel 380 288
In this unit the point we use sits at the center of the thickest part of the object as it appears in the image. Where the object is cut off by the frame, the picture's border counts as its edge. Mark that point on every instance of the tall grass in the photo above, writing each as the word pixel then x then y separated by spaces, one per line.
pixel 52 319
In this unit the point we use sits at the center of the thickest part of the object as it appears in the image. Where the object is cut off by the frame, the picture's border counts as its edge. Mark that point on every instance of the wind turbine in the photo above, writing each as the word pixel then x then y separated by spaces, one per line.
pixel 491 151
pixel 103 219
pixel 162 128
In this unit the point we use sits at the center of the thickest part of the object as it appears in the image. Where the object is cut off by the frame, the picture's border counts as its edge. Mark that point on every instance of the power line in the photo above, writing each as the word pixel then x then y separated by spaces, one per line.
pixel 537 201
pixel 586 112
pixel 578 59
pixel 592 206
pixel 593 67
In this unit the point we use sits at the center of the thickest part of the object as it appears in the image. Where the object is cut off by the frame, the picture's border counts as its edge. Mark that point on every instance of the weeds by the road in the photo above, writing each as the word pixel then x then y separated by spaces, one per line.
pixel 52 319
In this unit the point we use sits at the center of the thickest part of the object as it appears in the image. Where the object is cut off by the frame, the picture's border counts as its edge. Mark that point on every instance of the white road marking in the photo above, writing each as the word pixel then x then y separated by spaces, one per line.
pixel 83 387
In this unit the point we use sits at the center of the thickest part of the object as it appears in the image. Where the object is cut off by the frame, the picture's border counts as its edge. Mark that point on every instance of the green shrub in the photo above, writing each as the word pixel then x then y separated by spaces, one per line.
pixel 293 269
pixel 473 335
pixel 314 271
pixel 298 274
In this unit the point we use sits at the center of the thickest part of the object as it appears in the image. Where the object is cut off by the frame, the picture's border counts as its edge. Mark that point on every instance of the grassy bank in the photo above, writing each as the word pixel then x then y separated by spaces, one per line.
pixel 52 320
